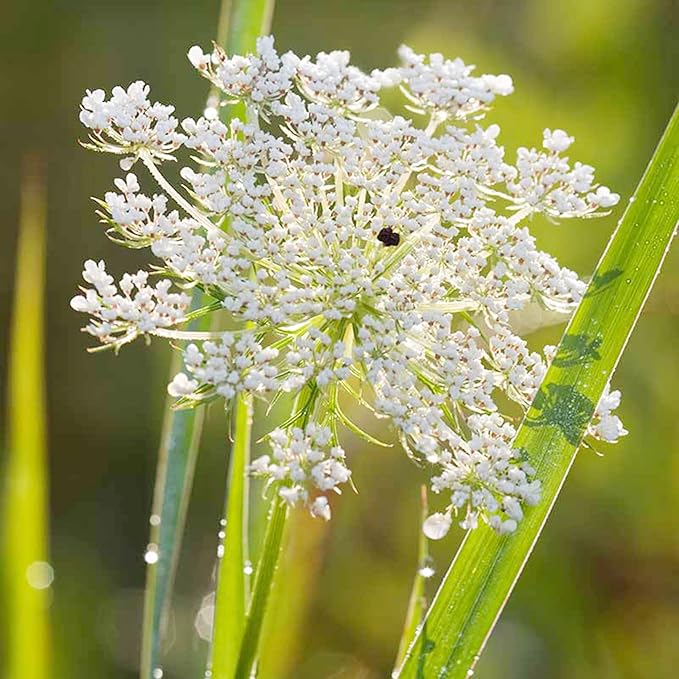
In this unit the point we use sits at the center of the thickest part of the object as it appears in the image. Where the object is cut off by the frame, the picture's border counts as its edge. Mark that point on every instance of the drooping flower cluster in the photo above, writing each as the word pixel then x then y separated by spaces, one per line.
pixel 357 255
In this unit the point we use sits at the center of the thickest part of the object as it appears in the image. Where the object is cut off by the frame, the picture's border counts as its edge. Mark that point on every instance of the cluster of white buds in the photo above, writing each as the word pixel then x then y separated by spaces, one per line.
pixel 305 463
pixel 357 255
pixel 231 366
pixel 606 426
pixel 121 313
pixel 129 124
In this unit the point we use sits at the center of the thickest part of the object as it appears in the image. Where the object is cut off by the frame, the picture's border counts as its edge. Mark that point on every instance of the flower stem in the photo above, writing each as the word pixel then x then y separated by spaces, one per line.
pixel 175 195
pixel 266 570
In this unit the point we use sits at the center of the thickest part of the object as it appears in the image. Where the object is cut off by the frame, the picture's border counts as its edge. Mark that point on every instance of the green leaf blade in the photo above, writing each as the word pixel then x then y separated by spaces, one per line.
pixel 487 566
pixel 232 590
pixel 177 455
pixel 264 578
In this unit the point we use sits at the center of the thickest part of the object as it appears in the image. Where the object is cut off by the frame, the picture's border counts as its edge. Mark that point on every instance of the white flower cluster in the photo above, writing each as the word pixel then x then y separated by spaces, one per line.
pixel 233 365
pixel 547 183
pixel 129 123
pixel 437 84
pixel 305 464
pixel 606 426
pixel 121 313
pixel 486 477
pixel 356 255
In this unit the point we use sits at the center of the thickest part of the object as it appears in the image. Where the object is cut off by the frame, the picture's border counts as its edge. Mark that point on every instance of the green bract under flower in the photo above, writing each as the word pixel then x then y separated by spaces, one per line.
pixel 359 255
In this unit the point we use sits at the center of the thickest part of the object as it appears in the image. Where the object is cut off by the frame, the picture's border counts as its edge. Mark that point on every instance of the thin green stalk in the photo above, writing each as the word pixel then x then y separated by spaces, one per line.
pixel 264 576
pixel 487 566
pixel 291 595
pixel 232 581
pixel 27 574
pixel 240 22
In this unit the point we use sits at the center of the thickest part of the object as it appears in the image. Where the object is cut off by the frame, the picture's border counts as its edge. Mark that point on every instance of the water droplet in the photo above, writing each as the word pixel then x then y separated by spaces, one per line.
pixel 221 535
pixel 220 551
pixel 628 281
pixel 40 575
pixel 427 572
pixel 151 555
pixel 157 673
pixel 427 569
pixel 222 522
pixel 154 520
pixel 470 672
pixel 437 525
pixel 247 568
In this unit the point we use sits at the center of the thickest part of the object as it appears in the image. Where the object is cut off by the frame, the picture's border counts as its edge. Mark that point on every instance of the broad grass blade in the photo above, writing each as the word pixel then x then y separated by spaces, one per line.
pixel 232 580
pixel 487 566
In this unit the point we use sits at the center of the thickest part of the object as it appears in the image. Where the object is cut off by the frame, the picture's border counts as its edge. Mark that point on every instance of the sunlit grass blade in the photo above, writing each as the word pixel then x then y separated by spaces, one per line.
pixel 487 566
pixel 232 581
pixel 417 605
pixel 27 574
pixel 241 23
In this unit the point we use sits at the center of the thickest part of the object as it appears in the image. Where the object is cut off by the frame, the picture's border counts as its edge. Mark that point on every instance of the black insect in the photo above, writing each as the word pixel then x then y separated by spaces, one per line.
pixel 388 237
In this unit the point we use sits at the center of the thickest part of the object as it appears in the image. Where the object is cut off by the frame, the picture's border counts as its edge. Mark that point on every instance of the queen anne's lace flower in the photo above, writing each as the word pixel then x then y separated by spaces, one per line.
pixel 358 255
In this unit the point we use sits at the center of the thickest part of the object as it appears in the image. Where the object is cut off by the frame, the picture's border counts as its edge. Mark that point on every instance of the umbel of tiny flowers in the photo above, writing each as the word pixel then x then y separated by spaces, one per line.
pixel 360 256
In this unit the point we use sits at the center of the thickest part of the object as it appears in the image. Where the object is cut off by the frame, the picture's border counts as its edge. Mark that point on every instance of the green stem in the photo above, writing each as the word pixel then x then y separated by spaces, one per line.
pixel 240 22
pixel 418 597
pixel 266 569
pixel 231 595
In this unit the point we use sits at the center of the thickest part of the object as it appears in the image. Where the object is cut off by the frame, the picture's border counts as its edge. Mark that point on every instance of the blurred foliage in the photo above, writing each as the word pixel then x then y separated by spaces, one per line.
pixel 600 596
pixel 25 573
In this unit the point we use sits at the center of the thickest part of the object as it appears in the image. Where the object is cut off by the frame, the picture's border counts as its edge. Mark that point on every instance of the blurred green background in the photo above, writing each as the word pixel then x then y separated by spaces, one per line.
pixel 600 596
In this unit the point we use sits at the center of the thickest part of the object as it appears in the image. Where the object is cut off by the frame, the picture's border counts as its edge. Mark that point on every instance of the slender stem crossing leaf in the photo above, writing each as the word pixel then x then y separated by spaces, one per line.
pixel 487 566
pixel 242 23
pixel 417 605
pixel 27 574
pixel 264 576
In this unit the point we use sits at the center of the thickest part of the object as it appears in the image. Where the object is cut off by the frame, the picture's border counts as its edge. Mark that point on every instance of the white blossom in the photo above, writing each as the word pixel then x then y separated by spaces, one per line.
pixel 128 123
pixel 356 255
pixel 606 426
pixel 120 313
pixel 304 462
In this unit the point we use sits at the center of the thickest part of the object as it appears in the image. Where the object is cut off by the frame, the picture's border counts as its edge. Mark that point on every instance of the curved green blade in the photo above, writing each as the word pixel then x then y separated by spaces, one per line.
pixel 487 566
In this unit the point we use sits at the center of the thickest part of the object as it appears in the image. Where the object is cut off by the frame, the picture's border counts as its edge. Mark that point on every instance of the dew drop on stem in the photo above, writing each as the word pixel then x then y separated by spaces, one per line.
pixel 151 555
